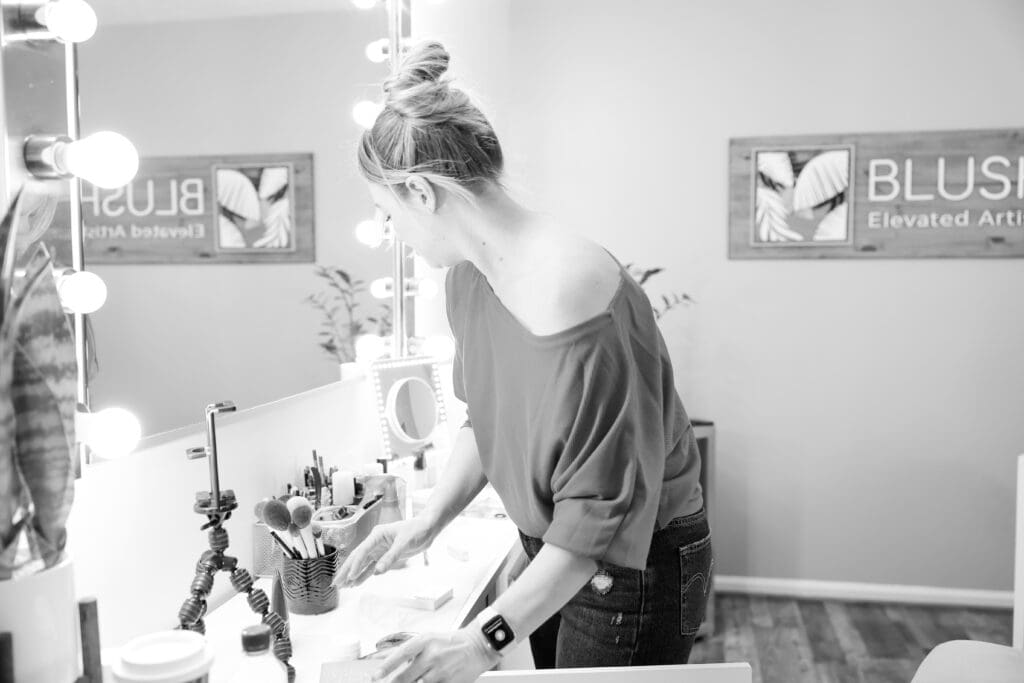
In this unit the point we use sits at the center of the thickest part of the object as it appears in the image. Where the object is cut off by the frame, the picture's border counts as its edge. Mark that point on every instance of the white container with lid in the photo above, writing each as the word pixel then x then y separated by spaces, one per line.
pixel 164 657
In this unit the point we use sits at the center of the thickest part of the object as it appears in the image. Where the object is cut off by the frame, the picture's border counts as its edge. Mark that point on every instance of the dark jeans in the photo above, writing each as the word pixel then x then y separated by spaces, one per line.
pixel 632 617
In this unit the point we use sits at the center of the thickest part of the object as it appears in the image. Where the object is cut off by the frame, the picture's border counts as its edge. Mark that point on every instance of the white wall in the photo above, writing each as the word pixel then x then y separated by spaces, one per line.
pixel 133 535
pixel 173 338
pixel 869 412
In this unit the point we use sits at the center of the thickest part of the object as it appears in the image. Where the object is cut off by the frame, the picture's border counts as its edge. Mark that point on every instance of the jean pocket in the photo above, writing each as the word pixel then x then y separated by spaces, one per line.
pixel 696 563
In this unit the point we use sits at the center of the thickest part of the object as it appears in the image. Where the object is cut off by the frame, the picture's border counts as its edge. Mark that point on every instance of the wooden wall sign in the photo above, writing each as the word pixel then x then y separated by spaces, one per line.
pixel 210 209
pixel 883 195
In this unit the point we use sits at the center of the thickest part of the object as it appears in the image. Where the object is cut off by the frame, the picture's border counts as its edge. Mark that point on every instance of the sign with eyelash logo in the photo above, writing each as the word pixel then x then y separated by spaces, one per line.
pixel 212 209
pixel 879 195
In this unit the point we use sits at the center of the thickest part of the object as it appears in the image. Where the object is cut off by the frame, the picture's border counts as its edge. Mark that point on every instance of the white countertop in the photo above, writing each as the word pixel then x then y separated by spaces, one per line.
pixel 467 555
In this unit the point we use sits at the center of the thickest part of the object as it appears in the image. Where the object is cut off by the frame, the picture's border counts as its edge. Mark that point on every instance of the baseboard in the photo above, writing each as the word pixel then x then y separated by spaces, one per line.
pixel 864 592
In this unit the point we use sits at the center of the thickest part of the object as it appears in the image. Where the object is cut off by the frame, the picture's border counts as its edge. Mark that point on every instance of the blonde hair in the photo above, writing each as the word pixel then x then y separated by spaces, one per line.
pixel 431 129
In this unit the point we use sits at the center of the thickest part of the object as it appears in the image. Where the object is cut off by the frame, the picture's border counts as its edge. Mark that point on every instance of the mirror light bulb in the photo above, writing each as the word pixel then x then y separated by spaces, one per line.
pixel 370 233
pixel 439 346
pixel 82 292
pixel 111 433
pixel 381 288
pixel 105 159
pixel 377 51
pixel 73 21
pixel 365 113
pixel 364 4
pixel 370 347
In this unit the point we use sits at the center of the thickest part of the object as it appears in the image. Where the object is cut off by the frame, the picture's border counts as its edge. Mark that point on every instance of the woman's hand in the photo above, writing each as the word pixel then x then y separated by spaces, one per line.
pixel 456 657
pixel 385 545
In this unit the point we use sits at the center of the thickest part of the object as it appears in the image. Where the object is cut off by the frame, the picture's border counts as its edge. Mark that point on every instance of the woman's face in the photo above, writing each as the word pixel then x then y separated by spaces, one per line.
pixel 416 223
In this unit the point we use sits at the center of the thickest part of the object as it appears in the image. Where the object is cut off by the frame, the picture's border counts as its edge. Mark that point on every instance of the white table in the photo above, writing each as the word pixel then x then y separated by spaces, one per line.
pixel 363 614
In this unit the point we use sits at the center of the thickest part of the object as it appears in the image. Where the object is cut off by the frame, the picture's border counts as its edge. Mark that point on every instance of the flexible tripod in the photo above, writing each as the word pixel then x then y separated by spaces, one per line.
pixel 217 505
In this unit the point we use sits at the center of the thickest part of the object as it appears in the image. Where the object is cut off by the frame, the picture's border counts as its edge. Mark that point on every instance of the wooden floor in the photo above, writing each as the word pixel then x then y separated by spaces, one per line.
pixel 814 641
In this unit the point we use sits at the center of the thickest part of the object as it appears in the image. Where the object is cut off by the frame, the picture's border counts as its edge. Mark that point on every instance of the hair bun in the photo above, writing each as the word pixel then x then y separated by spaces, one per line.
pixel 422 67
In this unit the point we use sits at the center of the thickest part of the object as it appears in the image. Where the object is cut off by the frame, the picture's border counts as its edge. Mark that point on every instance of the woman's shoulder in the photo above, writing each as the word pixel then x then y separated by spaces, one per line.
pixel 585 279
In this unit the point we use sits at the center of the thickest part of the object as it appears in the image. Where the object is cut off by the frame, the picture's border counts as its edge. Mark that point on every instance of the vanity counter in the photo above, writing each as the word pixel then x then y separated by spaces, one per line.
pixel 468 556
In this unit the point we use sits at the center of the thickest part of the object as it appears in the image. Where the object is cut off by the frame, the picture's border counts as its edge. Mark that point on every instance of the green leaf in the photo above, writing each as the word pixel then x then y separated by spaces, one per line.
pixel 648 274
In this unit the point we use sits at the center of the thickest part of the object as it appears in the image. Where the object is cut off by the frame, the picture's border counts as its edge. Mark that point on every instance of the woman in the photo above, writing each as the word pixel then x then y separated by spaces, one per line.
pixel 574 417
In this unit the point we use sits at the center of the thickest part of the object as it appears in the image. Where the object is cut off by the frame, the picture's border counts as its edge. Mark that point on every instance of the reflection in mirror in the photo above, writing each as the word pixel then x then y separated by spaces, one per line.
pixel 410 404
pixel 412 410
pixel 185 84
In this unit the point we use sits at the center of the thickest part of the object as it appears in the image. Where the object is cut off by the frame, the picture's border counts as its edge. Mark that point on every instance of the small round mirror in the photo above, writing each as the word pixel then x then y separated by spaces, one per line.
pixel 412 410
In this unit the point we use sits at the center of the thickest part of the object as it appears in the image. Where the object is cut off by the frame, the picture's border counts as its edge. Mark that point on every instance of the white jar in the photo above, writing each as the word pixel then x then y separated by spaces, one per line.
pixel 164 657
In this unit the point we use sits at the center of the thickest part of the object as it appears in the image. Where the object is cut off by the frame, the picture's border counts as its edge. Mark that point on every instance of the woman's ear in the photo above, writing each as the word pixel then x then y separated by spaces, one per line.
pixel 421 192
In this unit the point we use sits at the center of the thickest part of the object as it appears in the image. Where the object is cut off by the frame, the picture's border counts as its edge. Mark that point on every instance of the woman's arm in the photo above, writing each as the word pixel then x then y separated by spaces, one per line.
pixel 461 481
pixel 553 577
pixel 463 478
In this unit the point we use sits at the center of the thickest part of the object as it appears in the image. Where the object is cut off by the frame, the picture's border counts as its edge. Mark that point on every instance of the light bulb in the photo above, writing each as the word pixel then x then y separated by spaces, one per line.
pixel 364 4
pixel 381 288
pixel 105 159
pixel 370 233
pixel 370 347
pixel 377 51
pixel 439 346
pixel 73 21
pixel 81 292
pixel 111 433
pixel 365 113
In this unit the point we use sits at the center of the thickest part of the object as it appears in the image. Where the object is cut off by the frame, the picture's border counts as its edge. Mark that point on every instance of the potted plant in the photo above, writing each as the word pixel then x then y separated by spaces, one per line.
pixel 38 462
pixel 666 302
pixel 342 321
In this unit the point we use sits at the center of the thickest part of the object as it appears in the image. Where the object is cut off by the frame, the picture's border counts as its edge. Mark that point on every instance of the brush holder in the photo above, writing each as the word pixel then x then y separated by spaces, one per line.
pixel 348 532
pixel 307 583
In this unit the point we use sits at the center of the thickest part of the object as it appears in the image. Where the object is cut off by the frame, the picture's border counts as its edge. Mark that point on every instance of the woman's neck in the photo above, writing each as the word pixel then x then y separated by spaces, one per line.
pixel 498 236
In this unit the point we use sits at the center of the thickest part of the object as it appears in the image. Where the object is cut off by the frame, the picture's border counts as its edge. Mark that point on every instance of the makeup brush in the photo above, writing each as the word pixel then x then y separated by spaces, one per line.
pixel 317 481
pixel 277 517
pixel 258 510
pixel 302 515
pixel 300 543
pixel 273 534
pixel 318 532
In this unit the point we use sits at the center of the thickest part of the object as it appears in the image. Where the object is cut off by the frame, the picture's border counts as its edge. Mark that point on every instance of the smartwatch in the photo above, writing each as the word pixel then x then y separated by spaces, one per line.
pixel 495 629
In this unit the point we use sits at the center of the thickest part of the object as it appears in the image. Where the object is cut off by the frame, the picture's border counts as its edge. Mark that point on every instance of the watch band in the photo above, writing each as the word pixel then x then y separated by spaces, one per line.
pixel 496 630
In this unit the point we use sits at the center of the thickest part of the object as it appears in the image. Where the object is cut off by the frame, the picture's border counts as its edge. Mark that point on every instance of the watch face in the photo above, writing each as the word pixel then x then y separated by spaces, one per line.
pixel 498 632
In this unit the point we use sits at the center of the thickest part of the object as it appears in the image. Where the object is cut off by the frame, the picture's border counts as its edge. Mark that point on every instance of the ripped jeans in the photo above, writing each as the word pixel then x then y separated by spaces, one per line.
pixel 632 617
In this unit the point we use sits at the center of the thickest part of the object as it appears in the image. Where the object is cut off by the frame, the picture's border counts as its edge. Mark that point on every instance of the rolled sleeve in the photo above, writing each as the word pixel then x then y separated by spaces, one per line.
pixel 602 504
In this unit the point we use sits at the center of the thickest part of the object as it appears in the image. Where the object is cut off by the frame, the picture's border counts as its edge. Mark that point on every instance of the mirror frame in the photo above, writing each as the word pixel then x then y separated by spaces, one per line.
pixel 387 376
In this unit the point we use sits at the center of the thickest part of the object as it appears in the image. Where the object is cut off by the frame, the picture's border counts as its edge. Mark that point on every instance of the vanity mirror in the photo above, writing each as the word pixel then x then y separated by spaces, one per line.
pixel 412 410
pixel 410 404
pixel 188 82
